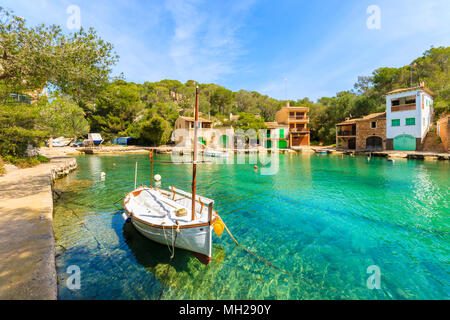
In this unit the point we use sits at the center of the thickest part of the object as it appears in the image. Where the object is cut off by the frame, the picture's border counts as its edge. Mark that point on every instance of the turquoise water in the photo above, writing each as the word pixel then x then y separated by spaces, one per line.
pixel 324 218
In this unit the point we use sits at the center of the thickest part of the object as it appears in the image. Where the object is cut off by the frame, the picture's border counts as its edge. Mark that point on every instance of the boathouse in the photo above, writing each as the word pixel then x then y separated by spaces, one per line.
pixel 409 116
pixel 277 134
pixel 362 134
pixel 207 135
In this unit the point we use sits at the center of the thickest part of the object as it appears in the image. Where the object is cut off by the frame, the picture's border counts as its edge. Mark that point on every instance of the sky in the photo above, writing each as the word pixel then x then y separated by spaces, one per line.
pixel 287 49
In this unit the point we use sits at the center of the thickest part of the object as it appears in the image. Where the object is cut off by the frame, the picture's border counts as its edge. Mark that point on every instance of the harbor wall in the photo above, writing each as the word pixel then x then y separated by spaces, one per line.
pixel 27 243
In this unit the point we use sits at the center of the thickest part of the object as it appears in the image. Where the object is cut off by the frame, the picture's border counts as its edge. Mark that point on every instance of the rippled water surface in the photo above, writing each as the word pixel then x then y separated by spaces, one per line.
pixel 324 218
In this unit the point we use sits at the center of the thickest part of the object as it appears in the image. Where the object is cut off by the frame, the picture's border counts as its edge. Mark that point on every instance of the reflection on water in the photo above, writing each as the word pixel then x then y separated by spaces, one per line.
pixel 323 218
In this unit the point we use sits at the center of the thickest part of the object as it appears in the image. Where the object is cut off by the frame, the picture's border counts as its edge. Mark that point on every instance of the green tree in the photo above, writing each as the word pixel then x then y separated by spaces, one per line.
pixel 117 107
pixel 18 129
pixel 221 100
pixel 155 131
pixel 31 58
pixel 63 117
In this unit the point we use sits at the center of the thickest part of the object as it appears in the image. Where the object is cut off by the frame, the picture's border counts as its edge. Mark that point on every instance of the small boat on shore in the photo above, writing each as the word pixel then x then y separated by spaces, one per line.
pixel 215 153
pixel 175 218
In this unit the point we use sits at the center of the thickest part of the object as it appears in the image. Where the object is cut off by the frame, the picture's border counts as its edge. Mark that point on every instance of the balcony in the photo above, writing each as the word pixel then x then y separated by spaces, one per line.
pixel 347 133
pixel 306 130
pixel 298 119
pixel 403 107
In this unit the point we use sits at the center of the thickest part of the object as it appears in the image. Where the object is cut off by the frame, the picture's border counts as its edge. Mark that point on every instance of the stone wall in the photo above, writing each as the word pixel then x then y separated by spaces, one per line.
pixel 444 132
pixel 364 131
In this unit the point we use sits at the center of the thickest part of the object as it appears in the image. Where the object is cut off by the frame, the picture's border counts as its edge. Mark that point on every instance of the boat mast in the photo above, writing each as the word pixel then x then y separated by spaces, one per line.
pixel 194 163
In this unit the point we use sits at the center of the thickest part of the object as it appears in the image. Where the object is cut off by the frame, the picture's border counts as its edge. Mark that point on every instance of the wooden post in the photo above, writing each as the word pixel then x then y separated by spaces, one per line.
pixel 151 172
pixel 194 165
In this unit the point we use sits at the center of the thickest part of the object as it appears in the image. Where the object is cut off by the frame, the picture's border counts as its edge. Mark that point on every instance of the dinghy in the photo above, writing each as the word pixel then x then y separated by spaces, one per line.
pixel 175 218
pixel 215 153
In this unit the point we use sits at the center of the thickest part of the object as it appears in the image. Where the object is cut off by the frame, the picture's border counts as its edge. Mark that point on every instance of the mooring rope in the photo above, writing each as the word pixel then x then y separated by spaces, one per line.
pixel 258 256
pixel 171 258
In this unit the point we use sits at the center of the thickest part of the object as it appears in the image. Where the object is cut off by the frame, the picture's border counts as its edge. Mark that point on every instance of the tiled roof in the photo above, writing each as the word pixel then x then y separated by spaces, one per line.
pixel 372 116
pixel 274 125
pixel 411 89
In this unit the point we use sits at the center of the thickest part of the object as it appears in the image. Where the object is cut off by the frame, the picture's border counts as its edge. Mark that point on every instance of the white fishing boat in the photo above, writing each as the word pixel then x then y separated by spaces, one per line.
pixel 175 218
pixel 161 215
pixel 215 153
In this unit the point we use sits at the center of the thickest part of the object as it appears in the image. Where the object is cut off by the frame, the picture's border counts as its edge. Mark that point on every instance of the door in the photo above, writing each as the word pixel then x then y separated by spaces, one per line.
pixel 223 141
pixel 202 140
pixel 352 143
pixel 282 144
pixel 268 144
pixel 405 142
pixel 374 143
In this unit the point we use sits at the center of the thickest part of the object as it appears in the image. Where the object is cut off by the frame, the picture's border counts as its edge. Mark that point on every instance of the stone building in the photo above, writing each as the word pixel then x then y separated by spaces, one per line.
pixel 362 134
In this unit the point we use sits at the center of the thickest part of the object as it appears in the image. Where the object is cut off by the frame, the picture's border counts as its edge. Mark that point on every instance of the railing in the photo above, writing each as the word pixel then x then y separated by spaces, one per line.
pixel 403 107
pixel 299 129
pixel 297 118
pixel 347 133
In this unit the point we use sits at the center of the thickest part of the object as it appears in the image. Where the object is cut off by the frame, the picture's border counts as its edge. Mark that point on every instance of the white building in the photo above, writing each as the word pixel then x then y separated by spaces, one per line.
pixel 408 117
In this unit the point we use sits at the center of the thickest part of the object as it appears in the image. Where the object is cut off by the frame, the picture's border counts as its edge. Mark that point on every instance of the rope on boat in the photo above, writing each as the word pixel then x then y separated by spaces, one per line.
pixel 270 264
pixel 171 256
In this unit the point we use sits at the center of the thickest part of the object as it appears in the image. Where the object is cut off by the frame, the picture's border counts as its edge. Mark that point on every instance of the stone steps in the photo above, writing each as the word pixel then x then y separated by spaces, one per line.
pixel 432 142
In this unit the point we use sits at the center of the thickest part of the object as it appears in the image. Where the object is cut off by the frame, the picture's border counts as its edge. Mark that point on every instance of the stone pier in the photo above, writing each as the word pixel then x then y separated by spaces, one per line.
pixel 27 244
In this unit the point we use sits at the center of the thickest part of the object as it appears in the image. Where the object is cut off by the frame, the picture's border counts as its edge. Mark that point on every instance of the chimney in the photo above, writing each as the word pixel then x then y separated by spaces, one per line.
pixel 231 116
pixel 287 104
pixel 422 84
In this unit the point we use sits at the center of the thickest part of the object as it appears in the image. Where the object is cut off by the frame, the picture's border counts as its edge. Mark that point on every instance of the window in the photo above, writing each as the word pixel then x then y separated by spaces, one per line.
pixel 373 124
pixel 395 102
pixel 410 121
pixel 395 122
pixel 410 100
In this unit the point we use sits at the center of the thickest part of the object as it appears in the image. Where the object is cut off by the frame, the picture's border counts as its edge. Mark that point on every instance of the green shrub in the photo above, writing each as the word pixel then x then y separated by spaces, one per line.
pixel 43 159
pixel 25 162
pixel 18 129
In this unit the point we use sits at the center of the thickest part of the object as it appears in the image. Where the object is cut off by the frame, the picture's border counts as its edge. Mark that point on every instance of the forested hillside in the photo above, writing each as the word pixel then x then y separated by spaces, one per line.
pixel 84 97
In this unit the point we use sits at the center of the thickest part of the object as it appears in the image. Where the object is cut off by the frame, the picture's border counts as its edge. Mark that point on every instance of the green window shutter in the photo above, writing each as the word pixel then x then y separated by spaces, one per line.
pixel 281 133
pixel 395 122
pixel 410 121
pixel 268 133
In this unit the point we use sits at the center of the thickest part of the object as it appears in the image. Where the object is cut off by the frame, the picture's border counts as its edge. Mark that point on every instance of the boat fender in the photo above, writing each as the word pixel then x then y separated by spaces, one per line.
pixel 218 227
pixel 181 212
pixel 255 167
pixel 125 217
pixel 157 177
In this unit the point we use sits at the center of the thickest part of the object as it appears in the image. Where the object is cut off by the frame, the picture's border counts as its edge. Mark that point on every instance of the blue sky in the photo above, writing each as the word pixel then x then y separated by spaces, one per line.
pixel 290 49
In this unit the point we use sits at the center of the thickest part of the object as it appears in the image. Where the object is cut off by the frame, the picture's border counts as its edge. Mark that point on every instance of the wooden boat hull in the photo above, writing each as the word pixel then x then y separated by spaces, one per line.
pixel 197 240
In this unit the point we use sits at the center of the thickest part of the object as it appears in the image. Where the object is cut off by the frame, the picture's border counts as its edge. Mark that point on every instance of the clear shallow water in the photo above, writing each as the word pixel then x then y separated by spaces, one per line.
pixel 325 218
